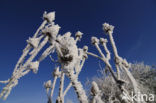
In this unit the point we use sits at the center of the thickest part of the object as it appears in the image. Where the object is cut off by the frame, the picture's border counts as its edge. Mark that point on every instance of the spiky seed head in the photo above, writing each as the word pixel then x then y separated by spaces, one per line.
pixel 94 40
pixel 34 66
pixel 50 17
pixel 51 31
pixel 108 28
pixel 56 72
pixel 102 40
pixel 85 48
pixel 47 84
pixel 78 35
pixel 95 89
pixel 33 42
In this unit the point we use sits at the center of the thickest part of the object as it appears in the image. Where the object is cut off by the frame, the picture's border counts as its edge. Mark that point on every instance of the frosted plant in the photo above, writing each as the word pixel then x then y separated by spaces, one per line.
pixel 70 59
pixel 96 93
pixel 23 66
pixel 120 63
pixel 144 75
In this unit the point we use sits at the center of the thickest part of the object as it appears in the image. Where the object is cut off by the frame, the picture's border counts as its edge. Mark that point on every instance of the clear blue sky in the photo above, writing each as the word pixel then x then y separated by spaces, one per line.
pixel 135 36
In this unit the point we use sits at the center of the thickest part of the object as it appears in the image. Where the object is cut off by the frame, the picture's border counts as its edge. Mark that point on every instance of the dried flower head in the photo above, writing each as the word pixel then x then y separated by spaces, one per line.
pixel 34 66
pixel 85 48
pixel 51 31
pixel 33 42
pixel 48 84
pixel 68 49
pixel 95 89
pixel 56 72
pixel 50 17
pixel 102 40
pixel 94 40
pixel 78 35
pixel 108 28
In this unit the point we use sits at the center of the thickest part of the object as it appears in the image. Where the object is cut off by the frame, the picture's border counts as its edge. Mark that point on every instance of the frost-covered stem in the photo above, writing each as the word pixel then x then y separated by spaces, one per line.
pixel 54 82
pixel 39 38
pixel 53 86
pixel 77 39
pixel 113 44
pixel 111 70
pixel 25 52
pixel 67 89
pixel 99 50
pixel 106 62
pixel 7 89
pixel 36 52
pixel 46 53
pixel 28 47
pixel 70 84
pixel 107 51
pixel 133 81
pixel 80 68
pixel 94 55
pixel 58 49
pixel 4 82
pixel 61 96
pixel 96 93
pixel 14 80
pixel 25 72
pixel 118 71
pixel 40 28
pixel 78 88
pixel 115 52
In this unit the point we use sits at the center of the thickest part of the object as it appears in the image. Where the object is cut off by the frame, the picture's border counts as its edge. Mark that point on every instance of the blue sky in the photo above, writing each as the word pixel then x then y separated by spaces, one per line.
pixel 135 36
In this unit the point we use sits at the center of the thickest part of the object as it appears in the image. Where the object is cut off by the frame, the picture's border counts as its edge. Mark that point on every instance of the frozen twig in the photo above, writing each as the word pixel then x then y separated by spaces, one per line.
pixel 60 98
pixel 56 74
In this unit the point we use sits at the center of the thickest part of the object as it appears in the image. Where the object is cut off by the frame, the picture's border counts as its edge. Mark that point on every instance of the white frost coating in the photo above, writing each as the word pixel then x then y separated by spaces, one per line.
pixel 48 84
pixel 70 57
pixel 50 17
pixel 33 42
pixel 60 98
pixel 78 35
pixel 102 40
pixel 34 66
pixel 104 44
pixel 108 28
pixel 119 62
pixel 56 74
pixel 23 70
pixel 4 82
pixel 94 40
pixel 46 53
pixel 51 31
pixel 95 88
pixel 68 53
pixel 28 47
pixel 96 93
pixel 78 88
pixel 83 56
